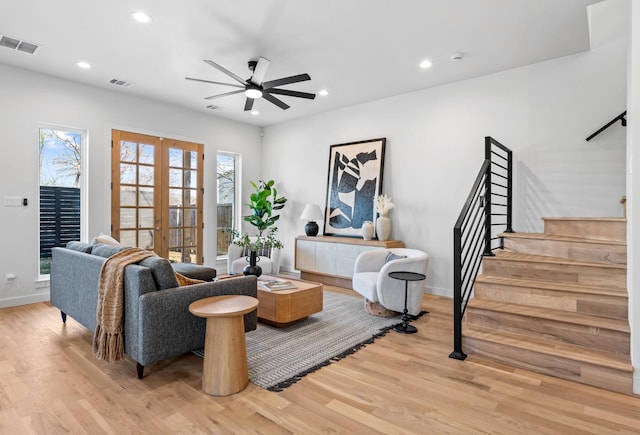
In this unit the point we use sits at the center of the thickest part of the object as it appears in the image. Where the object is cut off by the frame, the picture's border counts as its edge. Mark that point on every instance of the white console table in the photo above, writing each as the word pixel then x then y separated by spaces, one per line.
pixel 330 259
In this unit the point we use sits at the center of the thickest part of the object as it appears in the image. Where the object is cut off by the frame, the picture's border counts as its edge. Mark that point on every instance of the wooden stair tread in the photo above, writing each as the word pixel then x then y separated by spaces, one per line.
pixel 549 285
pixel 620 325
pixel 553 348
pixel 599 219
pixel 561 238
pixel 504 254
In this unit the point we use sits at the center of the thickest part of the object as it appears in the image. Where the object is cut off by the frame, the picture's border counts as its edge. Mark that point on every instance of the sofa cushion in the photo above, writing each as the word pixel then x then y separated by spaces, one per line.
pixel 80 246
pixel 105 251
pixel 163 273
pixel 105 240
pixel 195 271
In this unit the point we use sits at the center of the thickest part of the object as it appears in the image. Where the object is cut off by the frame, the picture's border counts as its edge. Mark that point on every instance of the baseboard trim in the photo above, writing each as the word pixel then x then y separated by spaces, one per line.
pixel 24 300
pixel 438 291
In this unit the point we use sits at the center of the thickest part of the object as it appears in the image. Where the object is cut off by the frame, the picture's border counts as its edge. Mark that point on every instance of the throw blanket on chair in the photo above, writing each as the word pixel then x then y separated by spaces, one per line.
pixel 108 339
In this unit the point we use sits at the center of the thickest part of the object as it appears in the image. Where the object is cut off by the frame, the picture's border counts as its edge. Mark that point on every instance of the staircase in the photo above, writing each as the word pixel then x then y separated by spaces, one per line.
pixel 556 303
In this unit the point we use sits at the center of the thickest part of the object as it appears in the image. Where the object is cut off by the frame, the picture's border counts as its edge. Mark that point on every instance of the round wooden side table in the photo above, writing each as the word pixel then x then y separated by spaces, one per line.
pixel 404 327
pixel 224 370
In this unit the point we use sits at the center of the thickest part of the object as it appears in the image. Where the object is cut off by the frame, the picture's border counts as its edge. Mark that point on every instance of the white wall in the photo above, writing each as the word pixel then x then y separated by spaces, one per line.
pixel 435 146
pixel 633 190
pixel 28 98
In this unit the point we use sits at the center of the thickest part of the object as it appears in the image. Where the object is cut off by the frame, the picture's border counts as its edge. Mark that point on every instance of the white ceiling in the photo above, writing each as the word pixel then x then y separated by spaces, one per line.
pixel 359 50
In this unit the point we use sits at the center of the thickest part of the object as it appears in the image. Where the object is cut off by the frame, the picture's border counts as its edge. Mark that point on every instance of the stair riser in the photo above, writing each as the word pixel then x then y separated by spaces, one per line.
pixel 602 230
pixel 571 274
pixel 583 335
pixel 553 365
pixel 591 252
pixel 575 302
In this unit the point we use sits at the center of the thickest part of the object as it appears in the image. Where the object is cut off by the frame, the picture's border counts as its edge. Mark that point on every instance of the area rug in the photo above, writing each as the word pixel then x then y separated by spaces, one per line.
pixel 279 357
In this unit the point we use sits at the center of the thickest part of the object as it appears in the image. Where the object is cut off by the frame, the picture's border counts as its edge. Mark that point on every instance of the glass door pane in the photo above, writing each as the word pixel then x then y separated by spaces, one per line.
pixel 135 204
pixel 185 210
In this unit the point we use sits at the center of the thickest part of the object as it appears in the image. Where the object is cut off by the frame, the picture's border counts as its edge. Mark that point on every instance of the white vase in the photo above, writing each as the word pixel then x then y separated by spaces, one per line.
pixel 383 227
pixel 367 230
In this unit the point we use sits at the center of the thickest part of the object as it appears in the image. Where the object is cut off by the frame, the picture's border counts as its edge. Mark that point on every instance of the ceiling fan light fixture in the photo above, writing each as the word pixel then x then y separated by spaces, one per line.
pixel 141 17
pixel 253 93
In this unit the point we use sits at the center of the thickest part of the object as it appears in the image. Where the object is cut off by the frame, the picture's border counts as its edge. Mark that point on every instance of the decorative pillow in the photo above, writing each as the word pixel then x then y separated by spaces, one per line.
pixel 162 272
pixel 185 280
pixel 391 256
pixel 195 271
pixel 106 251
pixel 105 240
pixel 79 246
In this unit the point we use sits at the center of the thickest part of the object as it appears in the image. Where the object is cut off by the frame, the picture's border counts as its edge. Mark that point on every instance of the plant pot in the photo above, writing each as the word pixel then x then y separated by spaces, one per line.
pixel 252 268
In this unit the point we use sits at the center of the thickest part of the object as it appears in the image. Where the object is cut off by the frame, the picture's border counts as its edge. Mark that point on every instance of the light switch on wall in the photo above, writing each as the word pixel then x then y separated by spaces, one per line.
pixel 13 201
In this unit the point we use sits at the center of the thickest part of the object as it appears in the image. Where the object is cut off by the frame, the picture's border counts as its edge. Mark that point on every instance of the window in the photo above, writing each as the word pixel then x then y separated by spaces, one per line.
pixel 227 174
pixel 61 205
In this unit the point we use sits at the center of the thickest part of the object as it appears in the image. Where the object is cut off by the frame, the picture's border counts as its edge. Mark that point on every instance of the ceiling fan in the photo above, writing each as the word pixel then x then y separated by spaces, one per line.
pixel 254 87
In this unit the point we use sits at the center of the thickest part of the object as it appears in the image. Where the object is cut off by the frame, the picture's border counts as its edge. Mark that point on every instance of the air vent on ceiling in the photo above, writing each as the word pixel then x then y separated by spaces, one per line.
pixel 17 44
pixel 122 83
pixel 212 107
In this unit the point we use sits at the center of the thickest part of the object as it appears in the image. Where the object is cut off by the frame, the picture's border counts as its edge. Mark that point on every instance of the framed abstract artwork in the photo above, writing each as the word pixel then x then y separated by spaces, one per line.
pixel 354 179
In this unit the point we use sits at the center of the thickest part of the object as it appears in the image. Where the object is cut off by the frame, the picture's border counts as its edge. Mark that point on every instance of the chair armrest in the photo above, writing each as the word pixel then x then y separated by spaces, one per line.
pixel 233 254
pixel 275 261
pixel 410 264
pixel 370 261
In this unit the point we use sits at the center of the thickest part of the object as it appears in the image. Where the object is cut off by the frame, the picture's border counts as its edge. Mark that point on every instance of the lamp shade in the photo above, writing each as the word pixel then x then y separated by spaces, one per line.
pixel 311 212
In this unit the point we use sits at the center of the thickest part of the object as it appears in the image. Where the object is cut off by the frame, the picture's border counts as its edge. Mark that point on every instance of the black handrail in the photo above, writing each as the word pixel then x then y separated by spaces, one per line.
pixel 475 231
pixel 621 118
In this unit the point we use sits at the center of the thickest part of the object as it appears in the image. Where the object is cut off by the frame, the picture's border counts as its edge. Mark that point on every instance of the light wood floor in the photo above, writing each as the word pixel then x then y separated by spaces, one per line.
pixel 51 383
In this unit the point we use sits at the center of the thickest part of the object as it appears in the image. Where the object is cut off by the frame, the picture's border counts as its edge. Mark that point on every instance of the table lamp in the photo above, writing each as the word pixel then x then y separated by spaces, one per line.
pixel 311 213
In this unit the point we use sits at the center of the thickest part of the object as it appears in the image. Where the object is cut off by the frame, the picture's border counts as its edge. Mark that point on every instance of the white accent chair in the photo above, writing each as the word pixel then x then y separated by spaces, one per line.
pixel 269 259
pixel 371 278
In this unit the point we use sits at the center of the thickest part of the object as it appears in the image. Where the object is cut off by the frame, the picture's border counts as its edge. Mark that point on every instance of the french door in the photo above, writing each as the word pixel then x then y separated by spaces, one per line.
pixel 156 197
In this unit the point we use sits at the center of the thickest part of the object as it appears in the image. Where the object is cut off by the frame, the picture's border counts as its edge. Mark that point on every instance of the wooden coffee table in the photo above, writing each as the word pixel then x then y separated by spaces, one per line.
pixel 281 308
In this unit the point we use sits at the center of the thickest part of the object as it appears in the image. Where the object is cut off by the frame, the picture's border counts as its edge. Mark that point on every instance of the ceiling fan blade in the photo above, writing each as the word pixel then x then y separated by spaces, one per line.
pixel 226 71
pixel 260 70
pixel 289 93
pixel 270 98
pixel 248 105
pixel 214 83
pixel 285 81
pixel 226 94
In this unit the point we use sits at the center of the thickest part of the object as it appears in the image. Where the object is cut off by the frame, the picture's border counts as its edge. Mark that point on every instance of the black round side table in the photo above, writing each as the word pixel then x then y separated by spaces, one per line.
pixel 404 327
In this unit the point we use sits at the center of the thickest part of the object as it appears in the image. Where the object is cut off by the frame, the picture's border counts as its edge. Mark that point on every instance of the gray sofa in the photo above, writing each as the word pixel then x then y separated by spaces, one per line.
pixel 157 321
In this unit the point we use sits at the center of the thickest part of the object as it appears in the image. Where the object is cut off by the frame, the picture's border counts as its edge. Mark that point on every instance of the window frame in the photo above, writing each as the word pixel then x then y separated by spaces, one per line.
pixel 83 184
pixel 237 210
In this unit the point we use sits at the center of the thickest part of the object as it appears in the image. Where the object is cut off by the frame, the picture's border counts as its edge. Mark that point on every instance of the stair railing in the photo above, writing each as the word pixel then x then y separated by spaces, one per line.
pixel 486 212
pixel 621 118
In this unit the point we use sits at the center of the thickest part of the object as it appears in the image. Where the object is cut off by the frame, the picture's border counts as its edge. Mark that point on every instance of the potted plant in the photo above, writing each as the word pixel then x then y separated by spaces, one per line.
pixel 263 202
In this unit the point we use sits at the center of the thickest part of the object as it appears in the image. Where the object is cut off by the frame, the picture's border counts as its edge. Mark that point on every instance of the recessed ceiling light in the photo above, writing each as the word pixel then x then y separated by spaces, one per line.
pixel 323 92
pixel 255 113
pixel 141 17
pixel 426 64
pixel 84 65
